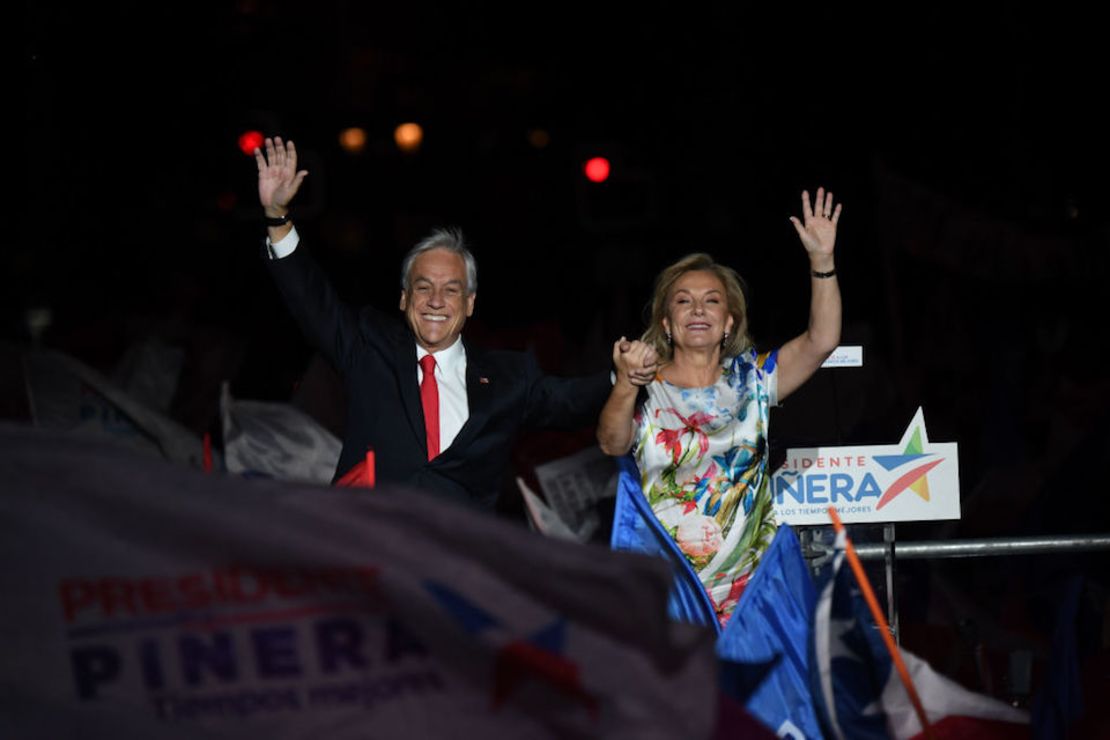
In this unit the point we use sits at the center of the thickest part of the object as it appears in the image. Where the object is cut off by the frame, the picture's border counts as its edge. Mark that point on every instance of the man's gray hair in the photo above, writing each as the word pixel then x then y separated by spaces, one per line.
pixel 450 239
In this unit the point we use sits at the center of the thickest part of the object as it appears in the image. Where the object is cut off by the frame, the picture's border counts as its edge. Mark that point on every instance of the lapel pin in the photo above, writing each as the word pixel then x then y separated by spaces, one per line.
pixel 483 380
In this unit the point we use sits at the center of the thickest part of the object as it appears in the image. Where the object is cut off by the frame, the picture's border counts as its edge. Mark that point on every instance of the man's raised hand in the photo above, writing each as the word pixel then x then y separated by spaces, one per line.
pixel 278 178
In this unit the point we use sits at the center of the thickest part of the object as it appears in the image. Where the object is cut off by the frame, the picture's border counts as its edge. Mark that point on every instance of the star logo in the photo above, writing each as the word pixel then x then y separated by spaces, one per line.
pixel 913 479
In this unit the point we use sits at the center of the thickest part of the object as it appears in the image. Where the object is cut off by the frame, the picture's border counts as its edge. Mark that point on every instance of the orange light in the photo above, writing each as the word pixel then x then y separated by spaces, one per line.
pixel 352 140
pixel 249 141
pixel 539 138
pixel 597 169
pixel 408 137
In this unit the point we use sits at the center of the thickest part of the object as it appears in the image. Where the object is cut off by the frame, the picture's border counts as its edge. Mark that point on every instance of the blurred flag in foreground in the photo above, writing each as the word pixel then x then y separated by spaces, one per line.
pixel 143 599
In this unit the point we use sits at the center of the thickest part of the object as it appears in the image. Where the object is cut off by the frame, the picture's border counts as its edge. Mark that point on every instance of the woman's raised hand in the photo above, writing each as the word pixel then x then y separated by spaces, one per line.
pixel 817 230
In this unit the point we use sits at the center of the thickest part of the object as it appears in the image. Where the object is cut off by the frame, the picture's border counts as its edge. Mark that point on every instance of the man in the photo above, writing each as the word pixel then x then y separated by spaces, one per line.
pixel 439 414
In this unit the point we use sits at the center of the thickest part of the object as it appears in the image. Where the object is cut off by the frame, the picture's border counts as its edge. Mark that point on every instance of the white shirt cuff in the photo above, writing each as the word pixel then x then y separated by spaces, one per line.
pixel 283 247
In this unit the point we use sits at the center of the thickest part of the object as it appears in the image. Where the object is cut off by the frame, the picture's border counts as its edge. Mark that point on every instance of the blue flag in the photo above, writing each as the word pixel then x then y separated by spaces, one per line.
pixel 772 622
pixel 1059 703
pixel 763 648
pixel 850 664
pixel 636 529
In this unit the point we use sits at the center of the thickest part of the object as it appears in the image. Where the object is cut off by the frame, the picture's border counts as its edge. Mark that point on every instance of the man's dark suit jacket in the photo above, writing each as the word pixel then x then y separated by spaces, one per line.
pixel 376 356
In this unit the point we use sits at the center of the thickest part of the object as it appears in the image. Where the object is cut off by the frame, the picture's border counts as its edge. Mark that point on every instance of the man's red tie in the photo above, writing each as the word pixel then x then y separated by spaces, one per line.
pixel 429 399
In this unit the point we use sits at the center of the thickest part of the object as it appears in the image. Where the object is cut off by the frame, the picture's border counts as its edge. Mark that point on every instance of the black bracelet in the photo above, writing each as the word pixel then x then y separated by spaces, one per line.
pixel 278 221
pixel 828 274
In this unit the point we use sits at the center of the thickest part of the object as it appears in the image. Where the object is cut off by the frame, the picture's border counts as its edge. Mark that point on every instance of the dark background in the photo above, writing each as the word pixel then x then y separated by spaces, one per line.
pixel 968 146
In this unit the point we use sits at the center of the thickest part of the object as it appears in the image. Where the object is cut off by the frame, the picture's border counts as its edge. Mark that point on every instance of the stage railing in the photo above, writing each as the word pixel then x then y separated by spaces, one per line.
pixel 986 547
pixel 818 553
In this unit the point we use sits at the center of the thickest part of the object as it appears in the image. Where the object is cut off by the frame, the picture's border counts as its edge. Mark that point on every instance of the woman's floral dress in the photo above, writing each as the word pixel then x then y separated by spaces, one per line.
pixel 702 454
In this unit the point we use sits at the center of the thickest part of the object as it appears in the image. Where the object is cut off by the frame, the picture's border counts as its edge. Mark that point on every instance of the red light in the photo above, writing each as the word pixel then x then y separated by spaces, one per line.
pixel 250 141
pixel 597 169
pixel 226 201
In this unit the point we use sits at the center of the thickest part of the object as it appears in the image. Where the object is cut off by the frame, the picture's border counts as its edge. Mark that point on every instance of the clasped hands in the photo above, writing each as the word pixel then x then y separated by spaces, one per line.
pixel 636 362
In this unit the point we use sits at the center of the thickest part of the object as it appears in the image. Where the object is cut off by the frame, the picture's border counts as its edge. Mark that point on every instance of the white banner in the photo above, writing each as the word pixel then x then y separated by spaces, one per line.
pixel 146 600
pixel 914 480
pixel 66 394
pixel 276 440
pixel 574 485
pixel 845 356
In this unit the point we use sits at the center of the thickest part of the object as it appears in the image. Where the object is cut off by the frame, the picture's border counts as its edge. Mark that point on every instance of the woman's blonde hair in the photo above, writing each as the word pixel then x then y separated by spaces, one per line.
pixel 656 335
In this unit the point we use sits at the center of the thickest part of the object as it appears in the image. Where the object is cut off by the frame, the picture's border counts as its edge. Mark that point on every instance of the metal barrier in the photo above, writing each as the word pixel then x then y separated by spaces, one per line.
pixel 818 553
pixel 986 547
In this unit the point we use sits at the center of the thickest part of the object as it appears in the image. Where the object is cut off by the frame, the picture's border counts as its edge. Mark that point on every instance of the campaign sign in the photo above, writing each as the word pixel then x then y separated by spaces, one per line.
pixel 914 480
pixel 146 600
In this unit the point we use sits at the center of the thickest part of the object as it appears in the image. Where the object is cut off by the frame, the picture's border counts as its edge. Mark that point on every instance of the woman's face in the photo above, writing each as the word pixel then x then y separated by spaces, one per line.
pixel 697 311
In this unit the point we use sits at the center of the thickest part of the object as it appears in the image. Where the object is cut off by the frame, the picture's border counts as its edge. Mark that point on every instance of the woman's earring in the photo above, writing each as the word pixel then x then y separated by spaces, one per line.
pixel 669 340
pixel 724 339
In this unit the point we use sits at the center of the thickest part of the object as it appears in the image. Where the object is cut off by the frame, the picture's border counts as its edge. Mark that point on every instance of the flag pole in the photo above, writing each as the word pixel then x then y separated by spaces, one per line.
pixel 884 628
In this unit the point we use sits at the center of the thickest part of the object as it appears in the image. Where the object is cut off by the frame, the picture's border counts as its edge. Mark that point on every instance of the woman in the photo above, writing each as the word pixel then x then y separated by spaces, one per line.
pixel 699 434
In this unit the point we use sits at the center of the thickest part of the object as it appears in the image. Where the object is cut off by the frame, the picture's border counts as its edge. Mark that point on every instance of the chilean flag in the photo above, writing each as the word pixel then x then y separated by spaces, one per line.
pixel 856 688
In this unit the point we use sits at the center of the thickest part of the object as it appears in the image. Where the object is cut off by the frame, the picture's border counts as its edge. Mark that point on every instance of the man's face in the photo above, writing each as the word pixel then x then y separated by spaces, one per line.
pixel 436 304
